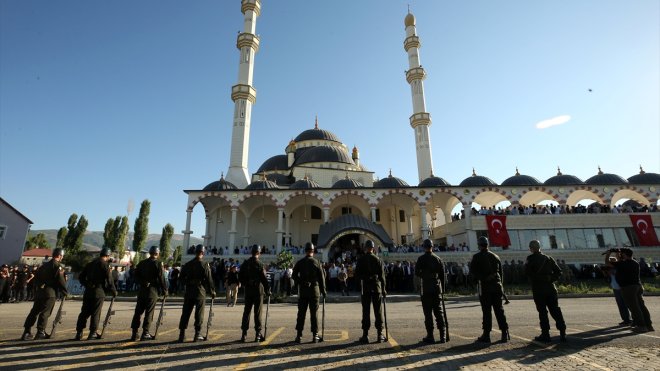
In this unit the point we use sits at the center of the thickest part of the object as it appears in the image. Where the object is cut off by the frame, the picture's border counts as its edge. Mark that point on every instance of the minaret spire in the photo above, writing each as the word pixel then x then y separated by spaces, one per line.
pixel 244 95
pixel 420 119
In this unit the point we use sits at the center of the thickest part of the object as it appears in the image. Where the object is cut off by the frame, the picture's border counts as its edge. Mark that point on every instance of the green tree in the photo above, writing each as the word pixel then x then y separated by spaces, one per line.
pixel 70 233
pixel 165 239
pixel 76 257
pixel 107 233
pixel 81 228
pixel 136 258
pixel 141 228
pixel 122 234
pixel 178 254
pixel 284 259
pixel 61 234
pixel 37 241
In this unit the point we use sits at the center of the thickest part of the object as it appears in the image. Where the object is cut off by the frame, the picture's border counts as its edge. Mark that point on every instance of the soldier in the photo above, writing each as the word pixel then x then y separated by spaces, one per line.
pixel 149 274
pixel 487 270
pixel 96 278
pixel 543 271
pixel 253 278
pixel 310 278
pixel 4 283
pixel 431 270
pixel 371 274
pixel 196 276
pixel 48 281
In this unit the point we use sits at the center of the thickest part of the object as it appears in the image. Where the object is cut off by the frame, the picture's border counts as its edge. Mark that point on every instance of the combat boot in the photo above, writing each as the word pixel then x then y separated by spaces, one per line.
pixel 134 335
pixel 443 335
pixel 484 338
pixel 93 336
pixel 182 336
pixel 298 337
pixel 365 337
pixel 79 335
pixel 429 339
pixel 544 337
pixel 505 336
pixel 40 335
pixel 243 336
pixel 259 337
pixel 380 337
pixel 146 336
pixel 562 335
pixel 315 338
pixel 27 335
pixel 198 337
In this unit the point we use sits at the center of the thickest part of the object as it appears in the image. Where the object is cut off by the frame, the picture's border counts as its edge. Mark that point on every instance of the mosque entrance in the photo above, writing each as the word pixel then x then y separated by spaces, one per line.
pixel 345 233
pixel 346 248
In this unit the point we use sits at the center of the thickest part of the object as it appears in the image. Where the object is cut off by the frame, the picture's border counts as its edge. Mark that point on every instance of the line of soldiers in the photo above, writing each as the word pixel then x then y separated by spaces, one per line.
pixel 16 283
pixel 309 275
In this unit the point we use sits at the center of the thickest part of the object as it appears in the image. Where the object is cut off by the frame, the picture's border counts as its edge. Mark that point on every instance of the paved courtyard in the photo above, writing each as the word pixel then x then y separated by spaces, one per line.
pixel 595 341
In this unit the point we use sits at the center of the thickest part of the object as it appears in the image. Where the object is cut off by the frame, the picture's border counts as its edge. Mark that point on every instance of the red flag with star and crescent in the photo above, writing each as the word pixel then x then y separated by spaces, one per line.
pixel 643 226
pixel 497 234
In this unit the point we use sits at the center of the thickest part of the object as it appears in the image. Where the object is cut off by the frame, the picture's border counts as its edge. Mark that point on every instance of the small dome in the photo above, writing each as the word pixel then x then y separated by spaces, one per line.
pixel 304 184
pixel 433 181
pixel 521 180
pixel 644 178
pixel 605 179
pixel 220 185
pixel 324 154
pixel 562 180
pixel 409 20
pixel 347 183
pixel 477 181
pixel 262 184
pixel 316 134
pixel 390 182
pixel 280 179
pixel 278 162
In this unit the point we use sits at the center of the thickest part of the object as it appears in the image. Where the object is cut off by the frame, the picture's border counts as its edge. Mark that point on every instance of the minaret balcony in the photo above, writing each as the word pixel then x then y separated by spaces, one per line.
pixel 247 39
pixel 253 5
pixel 416 73
pixel 242 91
pixel 411 42
pixel 420 118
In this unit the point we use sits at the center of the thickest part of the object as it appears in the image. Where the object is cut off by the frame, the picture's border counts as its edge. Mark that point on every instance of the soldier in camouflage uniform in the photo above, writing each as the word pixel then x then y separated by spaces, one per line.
pixel 310 278
pixel 96 278
pixel 543 271
pixel 149 274
pixel 49 279
pixel 487 269
pixel 253 278
pixel 431 270
pixel 196 276
pixel 370 272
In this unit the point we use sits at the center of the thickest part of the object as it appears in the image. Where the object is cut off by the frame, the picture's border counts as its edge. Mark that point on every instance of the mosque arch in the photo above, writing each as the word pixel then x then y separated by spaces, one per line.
pixel 490 197
pixel 358 203
pixel 445 200
pixel 534 197
pixel 581 194
pixel 632 193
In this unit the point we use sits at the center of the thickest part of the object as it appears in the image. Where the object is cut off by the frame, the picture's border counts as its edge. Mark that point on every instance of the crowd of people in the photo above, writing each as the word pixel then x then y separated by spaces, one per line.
pixel 552 209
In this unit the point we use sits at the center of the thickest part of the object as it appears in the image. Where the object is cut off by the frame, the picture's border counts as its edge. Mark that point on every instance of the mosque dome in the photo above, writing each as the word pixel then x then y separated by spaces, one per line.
pixel 521 180
pixel 644 178
pixel 262 184
pixel 477 181
pixel 220 185
pixel 605 179
pixel 347 183
pixel 390 182
pixel 433 181
pixel 304 184
pixel 324 154
pixel 277 162
pixel 562 180
pixel 316 134
pixel 280 179
pixel 409 20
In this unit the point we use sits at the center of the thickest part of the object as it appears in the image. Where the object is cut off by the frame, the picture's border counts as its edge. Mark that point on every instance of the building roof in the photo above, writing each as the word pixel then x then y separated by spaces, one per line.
pixel 262 184
pixel 304 184
pixel 280 179
pixel 40 253
pixel 316 134
pixel 433 181
pixel 277 162
pixel 390 182
pixel 645 178
pixel 220 185
pixel 2 200
pixel 563 180
pixel 477 181
pixel 347 183
pixel 521 180
pixel 325 154
pixel 605 179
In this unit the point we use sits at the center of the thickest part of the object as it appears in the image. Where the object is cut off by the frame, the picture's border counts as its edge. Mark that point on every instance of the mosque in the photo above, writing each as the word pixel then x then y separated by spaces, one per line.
pixel 319 191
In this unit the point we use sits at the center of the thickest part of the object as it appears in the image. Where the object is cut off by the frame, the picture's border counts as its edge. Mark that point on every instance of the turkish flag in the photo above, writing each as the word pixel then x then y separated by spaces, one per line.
pixel 643 226
pixel 497 233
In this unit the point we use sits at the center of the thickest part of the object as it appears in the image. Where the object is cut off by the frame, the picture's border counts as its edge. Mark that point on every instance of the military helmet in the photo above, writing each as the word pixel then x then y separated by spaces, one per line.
pixel 5 266
pixel 309 246
pixel 482 241
pixel 256 249
pixel 427 244
pixel 58 252
pixel 534 244
pixel 105 251
pixel 153 250
pixel 199 249
pixel 368 244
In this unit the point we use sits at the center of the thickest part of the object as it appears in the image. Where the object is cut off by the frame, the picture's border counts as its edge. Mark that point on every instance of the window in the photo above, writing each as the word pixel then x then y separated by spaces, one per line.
pixel 377 215
pixel 402 216
pixel 315 239
pixel 346 210
pixel 316 213
pixel 3 231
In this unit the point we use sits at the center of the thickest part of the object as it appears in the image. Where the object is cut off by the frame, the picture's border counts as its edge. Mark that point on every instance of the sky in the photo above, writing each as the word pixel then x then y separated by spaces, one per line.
pixel 107 103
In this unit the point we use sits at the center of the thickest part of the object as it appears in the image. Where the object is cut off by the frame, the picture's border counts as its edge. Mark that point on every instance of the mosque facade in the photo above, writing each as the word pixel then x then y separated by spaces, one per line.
pixel 318 190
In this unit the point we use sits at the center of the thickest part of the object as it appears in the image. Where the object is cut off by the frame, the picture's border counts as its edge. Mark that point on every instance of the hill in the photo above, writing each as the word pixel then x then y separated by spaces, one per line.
pixel 93 240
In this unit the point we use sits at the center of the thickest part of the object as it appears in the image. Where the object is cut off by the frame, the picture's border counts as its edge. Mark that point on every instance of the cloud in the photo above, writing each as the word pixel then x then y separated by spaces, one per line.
pixel 553 122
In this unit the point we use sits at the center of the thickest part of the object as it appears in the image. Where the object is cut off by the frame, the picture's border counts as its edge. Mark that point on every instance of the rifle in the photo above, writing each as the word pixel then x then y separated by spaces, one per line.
pixel 266 322
pixel 209 321
pixel 160 316
pixel 108 315
pixel 444 314
pixel 58 319
pixel 323 321
pixel 506 299
pixel 387 335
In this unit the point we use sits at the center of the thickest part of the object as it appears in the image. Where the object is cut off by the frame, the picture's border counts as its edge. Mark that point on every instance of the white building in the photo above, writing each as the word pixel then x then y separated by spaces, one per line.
pixel 14 228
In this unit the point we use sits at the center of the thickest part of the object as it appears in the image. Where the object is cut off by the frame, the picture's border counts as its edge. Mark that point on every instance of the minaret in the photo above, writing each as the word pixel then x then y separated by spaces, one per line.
pixel 420 119
pixel 244 95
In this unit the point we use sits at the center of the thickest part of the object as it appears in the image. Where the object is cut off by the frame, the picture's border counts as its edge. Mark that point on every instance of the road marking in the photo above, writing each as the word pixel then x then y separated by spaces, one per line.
pixel 343 335
pixel 272 336
pixel 623 328
pixel 393 342
pixel 251 355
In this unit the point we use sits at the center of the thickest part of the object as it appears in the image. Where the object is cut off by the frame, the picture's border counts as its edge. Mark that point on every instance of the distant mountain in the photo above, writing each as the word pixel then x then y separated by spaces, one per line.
pixel 93 240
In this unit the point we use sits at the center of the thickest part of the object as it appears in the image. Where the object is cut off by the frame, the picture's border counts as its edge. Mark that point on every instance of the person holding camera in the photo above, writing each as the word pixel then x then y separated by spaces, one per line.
pixel 543 271
pixel 627 275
